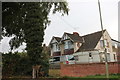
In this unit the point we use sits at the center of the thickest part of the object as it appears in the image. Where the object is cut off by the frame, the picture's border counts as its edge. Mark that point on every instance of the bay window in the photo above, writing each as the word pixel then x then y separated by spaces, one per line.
pixel 56 47
pixel 68 45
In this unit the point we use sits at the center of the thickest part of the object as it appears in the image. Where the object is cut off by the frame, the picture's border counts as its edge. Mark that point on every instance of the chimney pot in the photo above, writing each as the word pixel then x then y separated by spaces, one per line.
pixel 76 33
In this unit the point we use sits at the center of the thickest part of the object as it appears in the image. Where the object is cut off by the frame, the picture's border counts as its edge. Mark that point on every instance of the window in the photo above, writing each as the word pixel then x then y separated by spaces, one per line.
pixel 56 59
pixel 115 45
pixel 68 45
pixel 65 37
pixel 105 42
pixel 114 56
pixel 101 43
pixel 90 58
pixel 108 57
pixel 56 47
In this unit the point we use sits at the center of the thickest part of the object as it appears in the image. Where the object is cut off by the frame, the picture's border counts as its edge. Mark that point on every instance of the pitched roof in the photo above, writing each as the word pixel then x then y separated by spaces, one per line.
pixel 57 38
pixel 75 38
pixel 91 41
pixel 115 40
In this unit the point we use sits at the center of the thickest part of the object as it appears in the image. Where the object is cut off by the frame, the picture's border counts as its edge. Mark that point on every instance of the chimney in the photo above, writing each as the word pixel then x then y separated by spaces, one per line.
pixel 76 33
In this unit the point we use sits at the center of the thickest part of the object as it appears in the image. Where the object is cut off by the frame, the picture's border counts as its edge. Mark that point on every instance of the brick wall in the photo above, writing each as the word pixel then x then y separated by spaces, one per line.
pixel 79 70
pixel 118 57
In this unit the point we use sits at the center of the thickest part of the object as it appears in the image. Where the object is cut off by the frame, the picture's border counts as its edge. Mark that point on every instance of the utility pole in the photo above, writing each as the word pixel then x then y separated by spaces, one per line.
pixel 105 50
pixel 0 39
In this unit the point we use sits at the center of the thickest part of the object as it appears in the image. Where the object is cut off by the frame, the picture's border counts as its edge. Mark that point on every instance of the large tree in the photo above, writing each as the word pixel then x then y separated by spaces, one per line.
pixel 26 22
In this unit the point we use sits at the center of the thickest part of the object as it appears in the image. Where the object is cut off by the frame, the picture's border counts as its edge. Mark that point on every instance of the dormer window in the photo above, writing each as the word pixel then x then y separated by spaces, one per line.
pixel 65 37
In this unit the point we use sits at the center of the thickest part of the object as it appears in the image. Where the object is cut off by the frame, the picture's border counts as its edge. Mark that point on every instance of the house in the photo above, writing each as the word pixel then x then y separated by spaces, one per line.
pixel 93 50
pixel 67 44
pixel 55 47
pixel 116 48
pixel 87 48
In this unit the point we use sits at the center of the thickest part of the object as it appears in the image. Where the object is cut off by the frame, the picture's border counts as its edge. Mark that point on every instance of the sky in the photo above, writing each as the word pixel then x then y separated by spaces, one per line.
pixel 83 18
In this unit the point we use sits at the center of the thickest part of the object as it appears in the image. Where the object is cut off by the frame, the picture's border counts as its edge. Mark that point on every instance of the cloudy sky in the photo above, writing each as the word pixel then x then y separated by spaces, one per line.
pixel 83 18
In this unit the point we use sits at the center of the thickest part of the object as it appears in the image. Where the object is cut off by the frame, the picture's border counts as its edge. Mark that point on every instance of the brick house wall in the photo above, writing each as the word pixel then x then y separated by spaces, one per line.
pixel 118 57
pixel 80 70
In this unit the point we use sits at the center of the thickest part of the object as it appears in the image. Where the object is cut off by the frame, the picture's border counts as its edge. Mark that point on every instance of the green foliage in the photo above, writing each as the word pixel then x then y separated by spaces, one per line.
pixel 18 64
pixel 26 22
pixel 45 59
pixel 15 64
pixel 24 19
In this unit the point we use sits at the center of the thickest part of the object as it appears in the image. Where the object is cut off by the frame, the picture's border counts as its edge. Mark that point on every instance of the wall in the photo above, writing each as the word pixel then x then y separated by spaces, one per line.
pixel 77 46
pixel 108 38
pixel 109 48
pixel 112 57
pixel 79 70
pixel 83 57
pixel 96 57
pixel 62 48
pixel 54 72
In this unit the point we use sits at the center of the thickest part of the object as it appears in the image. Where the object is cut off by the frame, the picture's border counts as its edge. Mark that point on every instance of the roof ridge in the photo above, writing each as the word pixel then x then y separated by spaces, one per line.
pixel 57 37
pixel 116 40
pixel 93 33
pixel 68 33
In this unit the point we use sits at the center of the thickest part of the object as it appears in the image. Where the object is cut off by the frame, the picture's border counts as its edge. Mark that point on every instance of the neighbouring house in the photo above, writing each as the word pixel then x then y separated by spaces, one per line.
pixel 67 44
pixel 55 46
pixel 88 48
pixel 116 48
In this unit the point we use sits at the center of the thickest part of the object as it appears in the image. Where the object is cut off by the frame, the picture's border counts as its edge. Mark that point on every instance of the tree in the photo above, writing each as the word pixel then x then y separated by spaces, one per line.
pixel 27 22
pixel 16 64
pixel 9 63
pixel 45 58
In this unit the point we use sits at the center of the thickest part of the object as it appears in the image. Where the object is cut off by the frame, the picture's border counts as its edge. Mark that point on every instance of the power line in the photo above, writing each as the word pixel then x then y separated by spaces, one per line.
pixel 69 25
